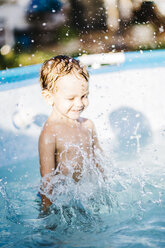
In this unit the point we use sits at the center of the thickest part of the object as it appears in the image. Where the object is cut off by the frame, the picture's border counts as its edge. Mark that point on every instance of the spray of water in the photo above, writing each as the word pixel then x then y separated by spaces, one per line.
pixel 127 191
pixel 127 199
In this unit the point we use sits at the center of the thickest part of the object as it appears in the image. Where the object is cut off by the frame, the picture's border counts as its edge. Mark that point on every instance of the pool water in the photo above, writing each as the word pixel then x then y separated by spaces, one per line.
pixel 125 210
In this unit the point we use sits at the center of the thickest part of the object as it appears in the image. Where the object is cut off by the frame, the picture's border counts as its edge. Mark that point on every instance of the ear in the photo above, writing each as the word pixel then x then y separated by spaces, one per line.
pixel 48 97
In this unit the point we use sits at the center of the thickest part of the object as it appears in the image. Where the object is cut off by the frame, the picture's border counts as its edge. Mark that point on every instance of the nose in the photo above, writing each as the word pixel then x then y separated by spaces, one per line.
pixel 78 103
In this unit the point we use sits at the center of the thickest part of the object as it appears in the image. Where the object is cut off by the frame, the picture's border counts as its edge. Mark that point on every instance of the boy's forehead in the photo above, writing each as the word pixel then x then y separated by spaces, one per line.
pixel 70 83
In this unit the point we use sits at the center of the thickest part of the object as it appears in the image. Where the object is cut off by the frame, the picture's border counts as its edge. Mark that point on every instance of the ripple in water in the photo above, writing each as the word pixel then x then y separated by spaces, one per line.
pixel 124 210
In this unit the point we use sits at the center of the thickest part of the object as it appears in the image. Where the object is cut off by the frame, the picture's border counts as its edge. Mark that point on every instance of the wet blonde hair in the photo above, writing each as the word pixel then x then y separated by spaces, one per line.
pixel 57 67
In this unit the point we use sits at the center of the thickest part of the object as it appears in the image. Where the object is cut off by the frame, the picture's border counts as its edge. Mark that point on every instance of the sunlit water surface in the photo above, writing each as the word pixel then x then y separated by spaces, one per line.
pixel 125 210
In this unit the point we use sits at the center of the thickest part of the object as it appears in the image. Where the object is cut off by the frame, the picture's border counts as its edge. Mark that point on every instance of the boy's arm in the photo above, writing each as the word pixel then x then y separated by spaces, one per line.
pixel 47 160
pixel 96 146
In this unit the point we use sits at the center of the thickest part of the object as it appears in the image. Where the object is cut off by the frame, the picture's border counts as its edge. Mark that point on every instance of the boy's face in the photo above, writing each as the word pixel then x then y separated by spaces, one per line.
pixel 71 96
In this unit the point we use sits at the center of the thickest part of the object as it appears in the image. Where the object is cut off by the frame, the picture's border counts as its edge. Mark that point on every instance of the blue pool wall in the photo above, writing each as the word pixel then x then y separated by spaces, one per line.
pixel 144 59
pixel 132 104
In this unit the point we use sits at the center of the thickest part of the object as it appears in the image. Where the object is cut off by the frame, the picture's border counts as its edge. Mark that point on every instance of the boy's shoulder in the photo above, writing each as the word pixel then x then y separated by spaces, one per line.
pixel 86 122
pixel 48 133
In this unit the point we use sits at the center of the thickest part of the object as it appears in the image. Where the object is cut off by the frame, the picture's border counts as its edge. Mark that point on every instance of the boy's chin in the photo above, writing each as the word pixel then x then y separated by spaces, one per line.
pixel 74 117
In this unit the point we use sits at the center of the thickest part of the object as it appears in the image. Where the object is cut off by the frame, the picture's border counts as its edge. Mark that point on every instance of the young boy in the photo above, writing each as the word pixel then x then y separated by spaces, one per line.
pixel 64 83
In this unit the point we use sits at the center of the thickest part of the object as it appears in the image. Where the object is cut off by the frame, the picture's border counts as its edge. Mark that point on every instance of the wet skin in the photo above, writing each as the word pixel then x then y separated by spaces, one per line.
pixel 65 134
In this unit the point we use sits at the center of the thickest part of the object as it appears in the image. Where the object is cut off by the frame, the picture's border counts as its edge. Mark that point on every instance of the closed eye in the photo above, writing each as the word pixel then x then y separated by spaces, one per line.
pixel 70 98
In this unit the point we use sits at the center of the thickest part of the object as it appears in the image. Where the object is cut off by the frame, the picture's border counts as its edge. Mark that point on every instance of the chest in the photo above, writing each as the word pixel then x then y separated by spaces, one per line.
pixel 74 140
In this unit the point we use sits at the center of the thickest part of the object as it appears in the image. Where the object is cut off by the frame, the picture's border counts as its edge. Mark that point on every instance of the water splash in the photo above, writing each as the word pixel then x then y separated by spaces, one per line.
pixel 124 208
pixel 129 190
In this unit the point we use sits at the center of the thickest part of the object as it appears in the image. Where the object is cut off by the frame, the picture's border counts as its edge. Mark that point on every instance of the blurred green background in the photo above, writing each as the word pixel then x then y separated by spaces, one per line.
pixel 32 31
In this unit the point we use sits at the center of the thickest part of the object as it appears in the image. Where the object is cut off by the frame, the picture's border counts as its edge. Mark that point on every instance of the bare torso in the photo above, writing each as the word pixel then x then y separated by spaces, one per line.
pixel 73 143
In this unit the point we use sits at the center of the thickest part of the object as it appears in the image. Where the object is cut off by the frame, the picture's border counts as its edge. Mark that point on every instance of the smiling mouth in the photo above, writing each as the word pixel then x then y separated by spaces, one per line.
pixel 77 111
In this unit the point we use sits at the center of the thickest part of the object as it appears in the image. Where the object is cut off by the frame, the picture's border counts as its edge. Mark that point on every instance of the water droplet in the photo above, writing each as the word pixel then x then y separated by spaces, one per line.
pixel 161 29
